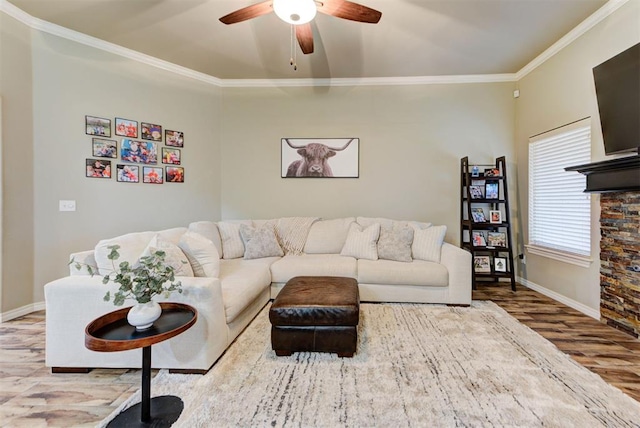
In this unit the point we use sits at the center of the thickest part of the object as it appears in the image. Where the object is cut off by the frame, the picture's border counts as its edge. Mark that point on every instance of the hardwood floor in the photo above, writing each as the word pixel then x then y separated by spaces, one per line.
pixel 30 396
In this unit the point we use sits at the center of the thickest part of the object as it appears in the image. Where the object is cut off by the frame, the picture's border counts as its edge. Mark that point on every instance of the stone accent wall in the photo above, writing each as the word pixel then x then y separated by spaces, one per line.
pixel 619 255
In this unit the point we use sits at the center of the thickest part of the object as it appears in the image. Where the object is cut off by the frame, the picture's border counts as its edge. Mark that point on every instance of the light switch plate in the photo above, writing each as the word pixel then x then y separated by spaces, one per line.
pixel 67 205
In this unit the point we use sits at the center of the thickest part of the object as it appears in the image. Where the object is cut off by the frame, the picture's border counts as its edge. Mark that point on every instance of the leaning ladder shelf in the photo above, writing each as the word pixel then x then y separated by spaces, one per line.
pixel 485 226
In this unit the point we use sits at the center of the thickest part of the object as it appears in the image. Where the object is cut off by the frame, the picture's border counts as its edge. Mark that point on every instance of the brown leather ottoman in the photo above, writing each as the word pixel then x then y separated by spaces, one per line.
pixel 317 314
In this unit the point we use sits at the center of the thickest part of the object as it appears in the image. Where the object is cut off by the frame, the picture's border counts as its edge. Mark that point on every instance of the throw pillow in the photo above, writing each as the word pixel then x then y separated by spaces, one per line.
pixel 232 247
pixel 131 246
pixel 174 256
pixel 202 254
pixel 260 242
pixel 395 243
pixel 427 243
pixel 362 244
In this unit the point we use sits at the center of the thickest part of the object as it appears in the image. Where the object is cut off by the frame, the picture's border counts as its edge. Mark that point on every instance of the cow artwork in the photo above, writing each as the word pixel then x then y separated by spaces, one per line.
pixel 314 160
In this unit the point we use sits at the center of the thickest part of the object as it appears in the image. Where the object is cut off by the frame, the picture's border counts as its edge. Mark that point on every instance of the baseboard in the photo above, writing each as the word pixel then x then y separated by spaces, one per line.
pixel 25 310
pixel 593 313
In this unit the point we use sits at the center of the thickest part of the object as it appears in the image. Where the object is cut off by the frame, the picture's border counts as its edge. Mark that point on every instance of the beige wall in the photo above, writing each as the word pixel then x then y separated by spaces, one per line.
pixel 559 92
pixel 45 148
pixel 17 164
pixel 411 142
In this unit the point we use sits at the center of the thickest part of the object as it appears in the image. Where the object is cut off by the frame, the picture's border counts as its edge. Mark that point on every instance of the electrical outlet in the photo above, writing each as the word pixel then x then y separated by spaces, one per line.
pixel 523 258
pixel 67 205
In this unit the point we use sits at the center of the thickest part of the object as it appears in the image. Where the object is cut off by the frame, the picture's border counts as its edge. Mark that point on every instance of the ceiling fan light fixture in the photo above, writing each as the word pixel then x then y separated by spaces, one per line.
pixel 295 12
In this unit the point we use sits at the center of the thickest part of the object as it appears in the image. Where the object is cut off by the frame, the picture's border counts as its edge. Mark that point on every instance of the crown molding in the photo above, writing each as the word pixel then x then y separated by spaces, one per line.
pixel 47 27
pixel 595 18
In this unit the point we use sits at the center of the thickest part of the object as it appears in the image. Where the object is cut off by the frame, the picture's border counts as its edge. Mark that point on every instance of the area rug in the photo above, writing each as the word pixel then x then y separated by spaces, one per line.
pixel 416 365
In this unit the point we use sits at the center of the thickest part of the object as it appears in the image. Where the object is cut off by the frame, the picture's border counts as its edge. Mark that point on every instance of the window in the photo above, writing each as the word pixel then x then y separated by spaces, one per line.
pixel 559 210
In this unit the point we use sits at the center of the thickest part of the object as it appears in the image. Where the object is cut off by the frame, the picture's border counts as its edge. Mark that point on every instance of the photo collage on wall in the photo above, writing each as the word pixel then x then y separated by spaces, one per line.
pixel 142 147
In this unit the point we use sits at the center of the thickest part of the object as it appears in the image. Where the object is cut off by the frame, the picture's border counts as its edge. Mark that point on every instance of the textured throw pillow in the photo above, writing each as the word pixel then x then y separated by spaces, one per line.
pixel 395 243
pixel 260 242
pixel 201 253
pixel 427 243
pixel 232 247
pixel 362 244
pixel 174 256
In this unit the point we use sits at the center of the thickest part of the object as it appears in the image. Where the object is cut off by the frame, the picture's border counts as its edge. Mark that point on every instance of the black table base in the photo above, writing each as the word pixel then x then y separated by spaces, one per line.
pixel 165 410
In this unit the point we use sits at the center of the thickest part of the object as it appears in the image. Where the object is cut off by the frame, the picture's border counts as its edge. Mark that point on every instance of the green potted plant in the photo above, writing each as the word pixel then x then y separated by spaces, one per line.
pixel 149 277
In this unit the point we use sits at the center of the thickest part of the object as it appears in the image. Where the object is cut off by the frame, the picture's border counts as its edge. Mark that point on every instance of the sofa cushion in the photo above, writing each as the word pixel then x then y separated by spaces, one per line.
pixel 173 257
pixel 201 253
pixel 209 230
pixel 313 265
pixel 131 247
pixel 232 246
pixel 418 272
pixel 362 243
pixel 328 236
pixel 242 281
pixel 427 243
pixel 395 243
pixel 260 242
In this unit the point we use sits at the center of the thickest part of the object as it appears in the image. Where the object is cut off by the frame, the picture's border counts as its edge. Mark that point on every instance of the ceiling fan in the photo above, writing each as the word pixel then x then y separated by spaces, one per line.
pixel 299 13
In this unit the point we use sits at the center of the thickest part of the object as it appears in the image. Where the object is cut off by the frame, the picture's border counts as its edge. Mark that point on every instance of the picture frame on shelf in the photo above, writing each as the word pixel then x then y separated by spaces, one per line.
pixel 94 125
pixel 492 172
pixel 500 264
pixel 174 174
pixel 495 216
pixel 170 156
pixel 126 127
pixel 491 190
pixel 102 148
pixel 478 238
pixel 497 239
pixel 128 173
pixel 477 215
pixel 98 168
pixel 475 192
pixel 482 264
pixel 152 175
pixel 150 131
pixel 174 138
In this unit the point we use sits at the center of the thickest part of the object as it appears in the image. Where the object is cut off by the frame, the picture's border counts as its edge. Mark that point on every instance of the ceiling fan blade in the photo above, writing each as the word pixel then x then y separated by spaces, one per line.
pixel 304 34
pixel 349 10
pixel 248 12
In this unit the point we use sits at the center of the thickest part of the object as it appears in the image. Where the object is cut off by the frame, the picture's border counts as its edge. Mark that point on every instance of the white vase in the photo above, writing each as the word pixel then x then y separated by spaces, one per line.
pixel 142 315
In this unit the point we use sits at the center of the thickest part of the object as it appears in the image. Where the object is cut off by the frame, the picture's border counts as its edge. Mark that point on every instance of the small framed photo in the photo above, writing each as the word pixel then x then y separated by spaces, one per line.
pixel 151 131
pixel 104 148
pixel 171 156
pixel 98 168
pixel 128 173
pixel 97 126
pixel 479 239
pixel 492 172
pixel 482 264
pixel 477 215
pixel 476 192
pixel 491 190
pixel 174 174
pixel 500 264
pixel 126 128
pixel 495 216
pixel 151 174
pixel 497 239
pixel 174 138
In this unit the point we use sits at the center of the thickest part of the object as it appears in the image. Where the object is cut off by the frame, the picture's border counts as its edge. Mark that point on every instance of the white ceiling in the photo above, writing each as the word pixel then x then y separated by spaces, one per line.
pixel 413 38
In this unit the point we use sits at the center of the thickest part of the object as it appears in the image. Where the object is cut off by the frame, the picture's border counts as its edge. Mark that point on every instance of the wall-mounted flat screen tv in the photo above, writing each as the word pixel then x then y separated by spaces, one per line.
pixel 617 83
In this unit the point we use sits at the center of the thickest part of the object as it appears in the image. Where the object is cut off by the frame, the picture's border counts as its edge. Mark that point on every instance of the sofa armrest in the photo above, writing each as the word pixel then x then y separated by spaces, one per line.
pixel 85 259
pixel 458 263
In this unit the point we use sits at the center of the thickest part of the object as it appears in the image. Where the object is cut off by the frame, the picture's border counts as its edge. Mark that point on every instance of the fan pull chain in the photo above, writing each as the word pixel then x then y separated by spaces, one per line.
pixel 294 53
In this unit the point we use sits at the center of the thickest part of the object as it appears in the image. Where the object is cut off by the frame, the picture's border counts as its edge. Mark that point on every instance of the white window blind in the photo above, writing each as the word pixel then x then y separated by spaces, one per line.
pixel 559 210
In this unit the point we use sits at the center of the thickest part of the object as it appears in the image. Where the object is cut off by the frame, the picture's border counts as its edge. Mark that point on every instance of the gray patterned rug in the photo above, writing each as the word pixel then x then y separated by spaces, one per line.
pixel 416 365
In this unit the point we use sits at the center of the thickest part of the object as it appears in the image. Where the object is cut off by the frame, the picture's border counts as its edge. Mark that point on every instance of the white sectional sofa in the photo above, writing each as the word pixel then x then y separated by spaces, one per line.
pixel 244 269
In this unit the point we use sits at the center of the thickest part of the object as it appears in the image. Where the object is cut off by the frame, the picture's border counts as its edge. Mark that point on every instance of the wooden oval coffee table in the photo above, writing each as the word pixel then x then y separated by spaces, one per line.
pixel 111 332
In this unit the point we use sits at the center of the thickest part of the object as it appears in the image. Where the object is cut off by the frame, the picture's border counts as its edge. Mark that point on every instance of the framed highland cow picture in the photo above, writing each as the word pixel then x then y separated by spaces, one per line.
pixel 320 158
